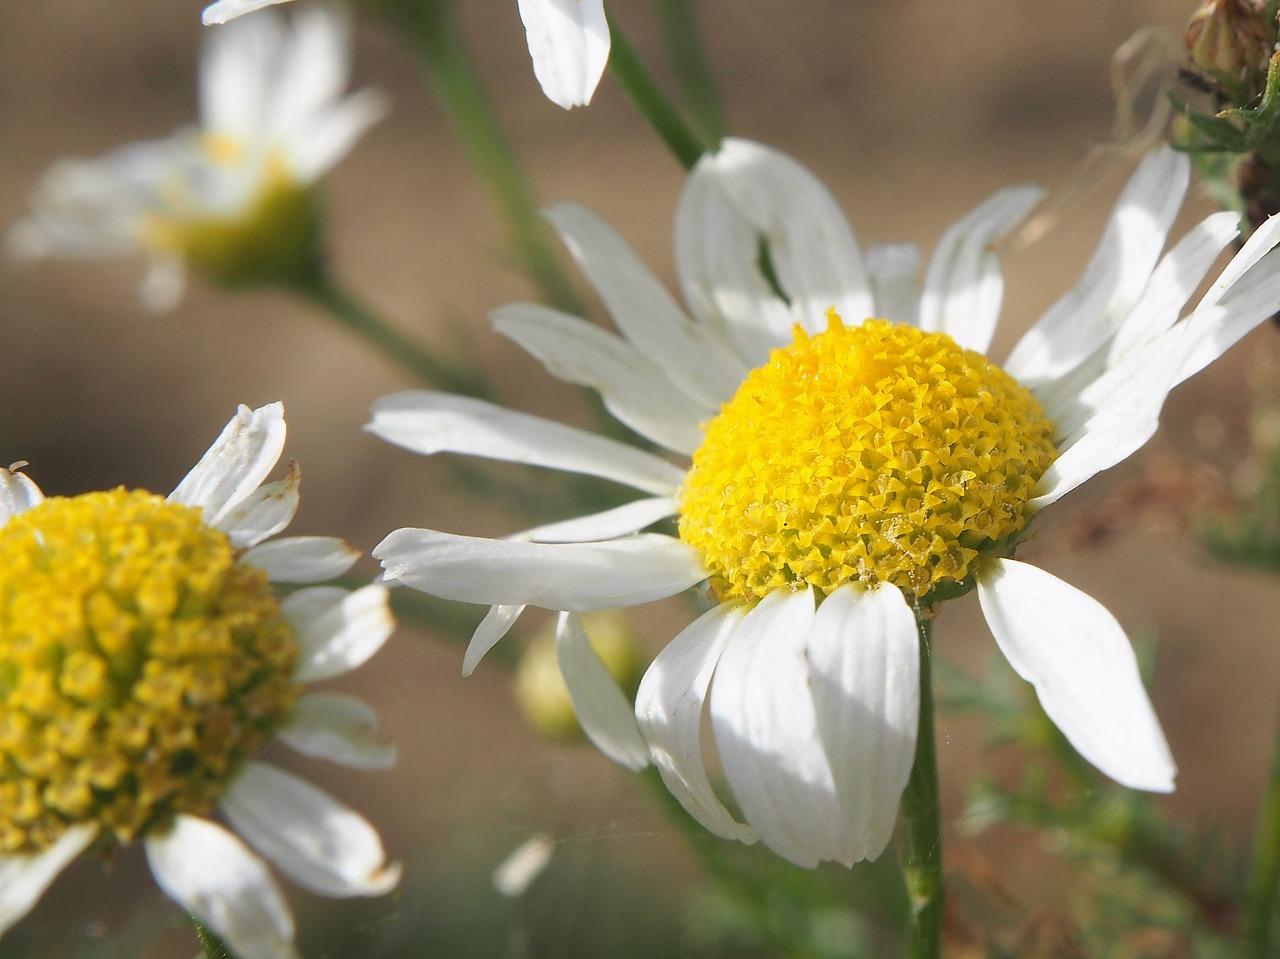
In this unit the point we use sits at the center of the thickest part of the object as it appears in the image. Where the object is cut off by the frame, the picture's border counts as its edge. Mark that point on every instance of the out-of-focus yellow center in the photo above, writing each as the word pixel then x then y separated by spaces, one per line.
pixel 140 665
pixel 875 453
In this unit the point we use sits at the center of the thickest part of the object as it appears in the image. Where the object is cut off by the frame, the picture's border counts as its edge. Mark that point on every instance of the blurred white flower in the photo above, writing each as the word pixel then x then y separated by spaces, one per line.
pixel 231 197
pixel 145 659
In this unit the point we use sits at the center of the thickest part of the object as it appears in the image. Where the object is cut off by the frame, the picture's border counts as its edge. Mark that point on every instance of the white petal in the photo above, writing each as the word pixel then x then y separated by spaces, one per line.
pixel 310 67
pixel 264 512
pixel 634 389
pixel 893 269
pixel 569 44
pixel 564 576
pixel 18 493
pixel 496 624
pixel 963 287
pixel 602 710
pixel 337 630
pixel 525 864
pixel 1260 243
pixel 610 524
pixel 669 709
pixel 210 873
pixel 236 464
pixel 429 423
pixel 1091 312
pixel 225 10
pixel 766 731
pixel 1076 655
pixel 320 843
pixel 1220 326
pixel 699 363
pixel 339 728
pixel 318 147
pixel 302 559
pixel 864 661
pixel 237 72
pixel 23 879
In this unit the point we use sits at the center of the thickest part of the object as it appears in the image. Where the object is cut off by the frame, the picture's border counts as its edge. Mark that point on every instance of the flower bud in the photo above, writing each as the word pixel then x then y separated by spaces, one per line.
pixel 1231 40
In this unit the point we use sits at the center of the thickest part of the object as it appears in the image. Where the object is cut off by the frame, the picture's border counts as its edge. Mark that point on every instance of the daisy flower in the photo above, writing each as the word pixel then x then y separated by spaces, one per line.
pixel 853 459
pixel 568 41
pixel 232 197
pixel 145 660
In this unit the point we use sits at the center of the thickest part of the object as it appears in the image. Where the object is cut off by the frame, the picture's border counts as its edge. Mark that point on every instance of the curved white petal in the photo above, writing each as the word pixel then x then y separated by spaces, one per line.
pixel 669 707
pixel 236 464
pixel 264 512
pixel 566 576
pixel 496 624
pixel 766 730
pixel 310 68
pixel 1261 241
pixel 210 873
pixel 337 630
pixel 1220 326
pixel 320 843
pixel 525 864
pixel 317 147
pixel 864 663
pixel 302 559
pixel 1076 655
pixel 225 10
pixel 569 44
pixel 237 72
pixel 339 728
pixel 18 493
pixel 602 709
pixel 609 524
pixel 963 287
pixel 23 879
pixel 429 423
pixel 634 389
pixel 893 270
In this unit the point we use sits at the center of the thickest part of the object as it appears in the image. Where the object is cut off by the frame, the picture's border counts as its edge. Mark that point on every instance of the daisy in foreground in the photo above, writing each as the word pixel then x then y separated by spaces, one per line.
pixel 144 662
pixel 232 198
pixel 854 460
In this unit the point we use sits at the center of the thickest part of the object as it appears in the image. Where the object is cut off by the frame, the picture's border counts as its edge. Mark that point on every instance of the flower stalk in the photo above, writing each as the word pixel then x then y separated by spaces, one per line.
pixel 683 41
pixel 922 820
pixel 1264 872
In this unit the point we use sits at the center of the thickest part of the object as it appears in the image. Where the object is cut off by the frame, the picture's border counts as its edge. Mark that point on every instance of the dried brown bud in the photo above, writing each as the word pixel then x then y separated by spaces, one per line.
pixel 1232 40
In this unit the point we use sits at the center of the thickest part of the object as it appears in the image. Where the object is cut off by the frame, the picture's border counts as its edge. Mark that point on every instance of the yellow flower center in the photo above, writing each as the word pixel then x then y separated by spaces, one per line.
pixel 140 665
pixel 875 453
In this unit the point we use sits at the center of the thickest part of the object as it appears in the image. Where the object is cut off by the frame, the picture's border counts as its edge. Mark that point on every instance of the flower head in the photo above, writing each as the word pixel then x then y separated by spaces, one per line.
pixel 145 659
pixel 232 198
pixel 854 459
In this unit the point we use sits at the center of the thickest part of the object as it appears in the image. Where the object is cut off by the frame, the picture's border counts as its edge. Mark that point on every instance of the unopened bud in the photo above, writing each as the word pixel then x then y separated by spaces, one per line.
pixel 1232 41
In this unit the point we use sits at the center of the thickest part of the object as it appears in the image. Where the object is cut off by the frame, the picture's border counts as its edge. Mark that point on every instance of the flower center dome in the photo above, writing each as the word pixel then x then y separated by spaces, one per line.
pixel 875 453
pixel 140 665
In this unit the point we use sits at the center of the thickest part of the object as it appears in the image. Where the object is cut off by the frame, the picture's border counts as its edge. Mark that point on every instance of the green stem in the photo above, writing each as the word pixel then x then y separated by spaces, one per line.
pixel 213 947
pixel 684 50
pixel 922 820
pixel 433 29
pixel 652 103
pixel 1264 874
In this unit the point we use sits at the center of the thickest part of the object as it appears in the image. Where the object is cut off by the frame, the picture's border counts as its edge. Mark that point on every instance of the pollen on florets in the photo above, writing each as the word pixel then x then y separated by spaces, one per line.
pixel 140 665
pixel 874 453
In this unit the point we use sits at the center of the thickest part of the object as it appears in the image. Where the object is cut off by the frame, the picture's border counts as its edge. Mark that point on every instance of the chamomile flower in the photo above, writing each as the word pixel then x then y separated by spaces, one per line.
pixel 233 197
pixel 853 459
pixel 568 41
pixel 145 659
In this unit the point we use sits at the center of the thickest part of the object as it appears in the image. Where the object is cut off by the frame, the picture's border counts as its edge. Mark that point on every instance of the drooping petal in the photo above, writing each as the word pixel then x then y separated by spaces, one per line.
pixel 236 464
pixel 496 624
pixel 892 269
pixel 1078 659
pixel 569 44
pixel 430 423
pixel 23 879
pixel 320 843
pixel 669 708
pixel 264 512
pixel 317 147
pixel 963 287
pixel 225 10
pixel 339 728
pixel 766 730
pixel 609 524
pixel 209 872
pixel 302 559
pixel 566 576
pixel 336 629
pixel 602 709
pixel 18 493
pixel 864 662
pixel 1221 325
pixel 1261 241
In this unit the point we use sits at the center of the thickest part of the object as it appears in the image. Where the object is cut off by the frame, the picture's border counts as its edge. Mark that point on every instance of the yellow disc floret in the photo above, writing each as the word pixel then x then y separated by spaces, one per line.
pixel 140 665
pixel 875 453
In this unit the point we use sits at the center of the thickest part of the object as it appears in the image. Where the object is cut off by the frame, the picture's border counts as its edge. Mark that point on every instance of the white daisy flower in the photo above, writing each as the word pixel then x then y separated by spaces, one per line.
pixel 145 659
pixel 233 196
pixel 568 41
pixel 842 478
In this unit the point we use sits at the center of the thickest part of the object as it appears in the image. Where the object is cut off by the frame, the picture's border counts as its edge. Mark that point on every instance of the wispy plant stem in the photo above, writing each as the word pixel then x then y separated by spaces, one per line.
pixel 922 820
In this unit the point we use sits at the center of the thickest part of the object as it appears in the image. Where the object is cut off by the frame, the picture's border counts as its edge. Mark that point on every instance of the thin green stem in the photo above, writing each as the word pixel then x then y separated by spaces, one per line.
pixel 630 72
pixel 1264 873
pixel 433 29
pixel 211 945
pixel 922 820
pixel 683 40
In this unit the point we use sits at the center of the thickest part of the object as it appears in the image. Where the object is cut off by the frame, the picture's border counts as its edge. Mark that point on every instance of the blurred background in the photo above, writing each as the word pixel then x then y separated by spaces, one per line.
pixel 911 111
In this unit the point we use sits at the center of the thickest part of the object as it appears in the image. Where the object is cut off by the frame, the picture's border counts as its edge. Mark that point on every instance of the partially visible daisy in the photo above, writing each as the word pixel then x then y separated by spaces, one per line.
pixel 853 460
pixel 145 660
pixel 568 41
pixel 232 197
